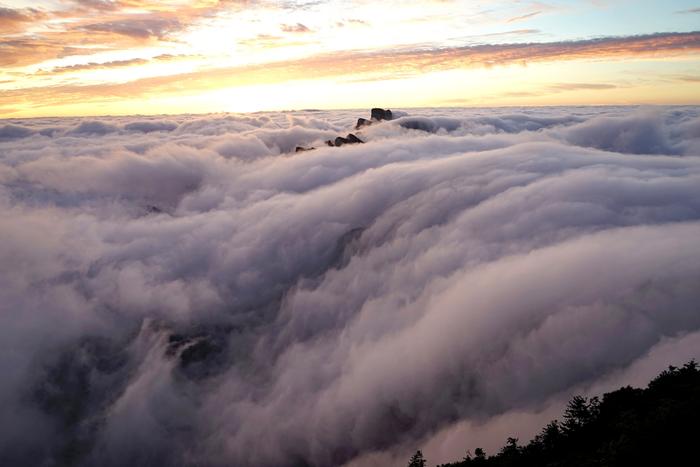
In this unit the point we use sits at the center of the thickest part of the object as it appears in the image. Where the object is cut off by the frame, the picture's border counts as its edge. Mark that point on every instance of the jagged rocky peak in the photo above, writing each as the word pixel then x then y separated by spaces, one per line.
pixel 362 122
pixel 376 115
pixel 381 114
pixel 340 141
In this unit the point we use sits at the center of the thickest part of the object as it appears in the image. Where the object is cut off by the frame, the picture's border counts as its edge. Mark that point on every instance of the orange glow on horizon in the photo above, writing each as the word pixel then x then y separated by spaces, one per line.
pixel 132 56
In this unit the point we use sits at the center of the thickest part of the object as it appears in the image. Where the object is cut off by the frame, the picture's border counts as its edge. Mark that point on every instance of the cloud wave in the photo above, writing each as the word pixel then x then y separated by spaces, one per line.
pixel 191 290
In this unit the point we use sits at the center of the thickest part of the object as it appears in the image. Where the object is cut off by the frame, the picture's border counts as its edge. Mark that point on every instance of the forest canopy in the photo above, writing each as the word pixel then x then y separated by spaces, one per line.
pixel 656 425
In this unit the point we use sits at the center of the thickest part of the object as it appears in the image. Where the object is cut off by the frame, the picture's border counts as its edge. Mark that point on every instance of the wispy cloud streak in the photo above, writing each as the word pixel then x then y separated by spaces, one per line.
pixel 349 64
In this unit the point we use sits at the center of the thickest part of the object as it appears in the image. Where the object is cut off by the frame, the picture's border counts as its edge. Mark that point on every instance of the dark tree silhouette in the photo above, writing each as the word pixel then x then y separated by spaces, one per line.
pixel 656 426
pixel 579 413
pixel 417 460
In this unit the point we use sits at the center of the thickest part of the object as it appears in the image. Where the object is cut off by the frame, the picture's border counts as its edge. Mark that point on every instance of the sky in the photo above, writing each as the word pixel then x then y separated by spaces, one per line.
pixel 123 57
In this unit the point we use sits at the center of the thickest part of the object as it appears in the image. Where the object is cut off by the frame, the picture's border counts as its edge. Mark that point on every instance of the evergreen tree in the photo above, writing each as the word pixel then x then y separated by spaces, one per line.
pixel 655 426
pixel 417 460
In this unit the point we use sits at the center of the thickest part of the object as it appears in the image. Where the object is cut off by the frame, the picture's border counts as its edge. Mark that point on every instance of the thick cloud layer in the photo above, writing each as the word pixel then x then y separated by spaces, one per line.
pixel 190 291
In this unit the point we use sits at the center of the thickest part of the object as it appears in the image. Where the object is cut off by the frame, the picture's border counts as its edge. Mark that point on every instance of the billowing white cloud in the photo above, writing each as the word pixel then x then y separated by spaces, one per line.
pixel 191 290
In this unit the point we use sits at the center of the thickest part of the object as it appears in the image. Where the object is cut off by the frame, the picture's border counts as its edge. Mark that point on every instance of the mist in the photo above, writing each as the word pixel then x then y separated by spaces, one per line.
pixel 189 290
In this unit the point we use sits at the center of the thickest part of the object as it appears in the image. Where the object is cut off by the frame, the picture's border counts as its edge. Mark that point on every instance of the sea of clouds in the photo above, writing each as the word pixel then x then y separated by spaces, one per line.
pixel 188 290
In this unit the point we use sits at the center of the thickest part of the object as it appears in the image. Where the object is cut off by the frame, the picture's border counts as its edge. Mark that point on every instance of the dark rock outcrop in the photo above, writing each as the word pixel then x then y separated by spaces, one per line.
pixel 199 355
pixel 354 139
pixel 381 114
pixel 362 122
pixel 340 141
pixel 376 115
